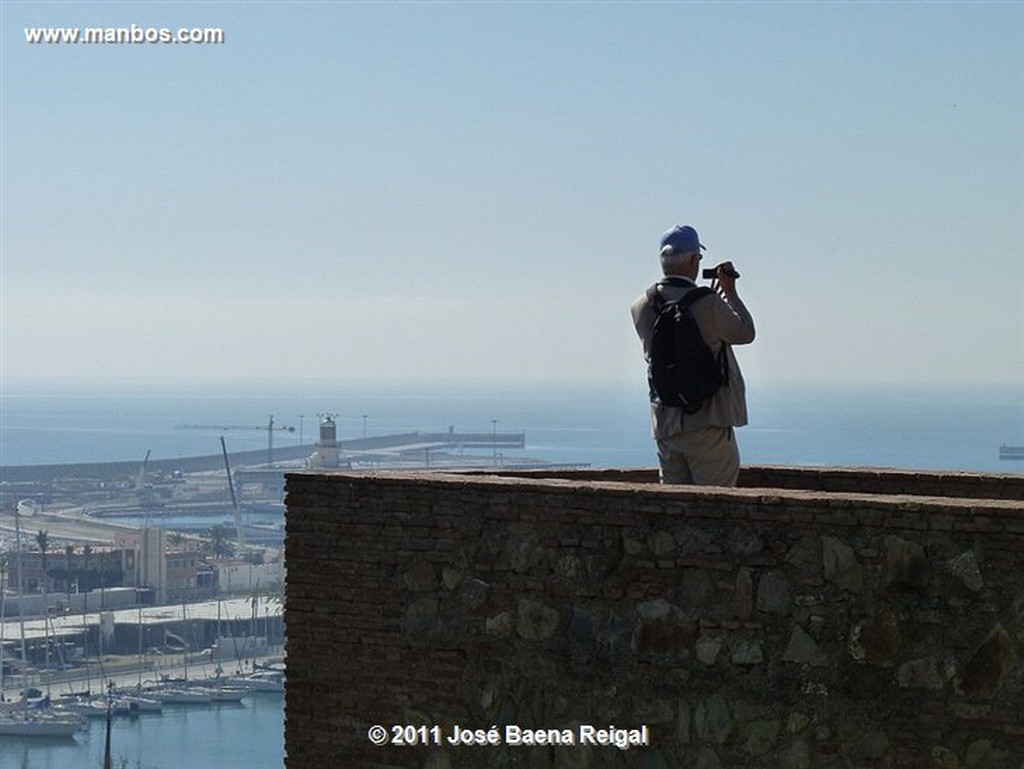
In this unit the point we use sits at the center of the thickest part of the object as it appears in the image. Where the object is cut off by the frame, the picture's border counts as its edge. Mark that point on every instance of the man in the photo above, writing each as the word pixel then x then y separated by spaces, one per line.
pixel 700 447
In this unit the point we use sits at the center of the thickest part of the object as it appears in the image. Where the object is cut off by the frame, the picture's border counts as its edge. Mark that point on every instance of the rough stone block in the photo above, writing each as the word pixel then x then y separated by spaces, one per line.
pixel 661 543
pixel 683 719
pixel 965 568
pixel 773 593
pixel 761 736
pixel 743 595
pixel 803 650
pixel 876 640
pixel 698 589
pixel 421 577
pixel 905 563
pixel 925 673
pixel 746 651
pixel 473 593
pixel 662 630
pixel 421 618
pixel 984 673
pixel 501 625
pixel 711 720
pixel 840 564
pixel 708 647
pixel 982 754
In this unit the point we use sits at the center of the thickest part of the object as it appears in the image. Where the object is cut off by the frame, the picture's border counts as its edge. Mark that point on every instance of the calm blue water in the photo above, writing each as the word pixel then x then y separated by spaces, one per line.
pixel 913 428
pixel 245 736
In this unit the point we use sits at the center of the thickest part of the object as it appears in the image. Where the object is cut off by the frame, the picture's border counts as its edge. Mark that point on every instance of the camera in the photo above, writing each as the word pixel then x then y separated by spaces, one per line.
pixel 710 273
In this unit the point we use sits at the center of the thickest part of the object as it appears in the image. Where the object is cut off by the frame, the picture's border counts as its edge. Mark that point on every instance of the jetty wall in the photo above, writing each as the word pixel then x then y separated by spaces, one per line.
pixel 810 618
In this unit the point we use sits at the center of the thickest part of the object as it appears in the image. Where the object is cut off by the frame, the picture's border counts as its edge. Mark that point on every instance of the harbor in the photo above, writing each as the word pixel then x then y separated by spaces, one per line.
pixel 239 735
pixel 154 589
pixel 164 676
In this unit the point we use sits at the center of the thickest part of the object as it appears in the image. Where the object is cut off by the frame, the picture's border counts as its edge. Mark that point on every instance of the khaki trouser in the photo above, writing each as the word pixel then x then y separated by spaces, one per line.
pixel 707 456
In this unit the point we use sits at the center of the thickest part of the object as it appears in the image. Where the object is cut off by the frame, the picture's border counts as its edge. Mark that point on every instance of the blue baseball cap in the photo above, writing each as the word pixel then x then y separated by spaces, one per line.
pixel 683 239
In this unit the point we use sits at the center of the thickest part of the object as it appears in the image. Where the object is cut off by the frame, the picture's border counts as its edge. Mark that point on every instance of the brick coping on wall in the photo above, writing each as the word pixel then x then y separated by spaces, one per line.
pixel 869 480
pixel 828 488
pixel 955 502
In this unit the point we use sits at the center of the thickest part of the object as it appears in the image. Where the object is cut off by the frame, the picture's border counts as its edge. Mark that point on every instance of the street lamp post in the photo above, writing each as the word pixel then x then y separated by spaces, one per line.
pixel 107 762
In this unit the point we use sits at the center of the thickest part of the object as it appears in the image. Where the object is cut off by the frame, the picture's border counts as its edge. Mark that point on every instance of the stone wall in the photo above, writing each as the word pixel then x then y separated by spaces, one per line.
pixel 775 625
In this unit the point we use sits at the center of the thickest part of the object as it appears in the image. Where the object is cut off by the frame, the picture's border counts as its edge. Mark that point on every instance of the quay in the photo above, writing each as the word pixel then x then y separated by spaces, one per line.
pixel 66 647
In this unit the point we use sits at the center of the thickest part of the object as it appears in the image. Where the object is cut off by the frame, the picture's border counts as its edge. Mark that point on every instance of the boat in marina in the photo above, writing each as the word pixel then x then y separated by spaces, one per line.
pixel 93 707
pixel 180 695
pixel 21 721
pixel 195 692
pixel 123 703
pixel 138 704
pixel 228 693
pixel 38 727
pixel 260 681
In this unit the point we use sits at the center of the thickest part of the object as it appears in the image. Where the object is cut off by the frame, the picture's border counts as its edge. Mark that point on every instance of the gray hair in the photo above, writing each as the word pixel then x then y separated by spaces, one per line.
pixel 673 261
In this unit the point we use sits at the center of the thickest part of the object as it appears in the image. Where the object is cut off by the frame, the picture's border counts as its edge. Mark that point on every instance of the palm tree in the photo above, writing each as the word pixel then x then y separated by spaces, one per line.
pixel 43 539
pixel 219 544
pixel 87 552
pixel 68 552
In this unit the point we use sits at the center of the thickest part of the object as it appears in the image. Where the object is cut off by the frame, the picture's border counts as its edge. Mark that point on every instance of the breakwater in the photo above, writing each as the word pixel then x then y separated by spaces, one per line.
pixel 390 444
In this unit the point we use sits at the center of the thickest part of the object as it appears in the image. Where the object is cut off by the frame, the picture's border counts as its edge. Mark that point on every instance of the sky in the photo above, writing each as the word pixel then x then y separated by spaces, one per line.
pixel 419 192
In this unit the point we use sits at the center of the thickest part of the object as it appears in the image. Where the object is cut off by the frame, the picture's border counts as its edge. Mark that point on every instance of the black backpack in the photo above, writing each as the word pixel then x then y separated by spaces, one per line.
pixel 683 372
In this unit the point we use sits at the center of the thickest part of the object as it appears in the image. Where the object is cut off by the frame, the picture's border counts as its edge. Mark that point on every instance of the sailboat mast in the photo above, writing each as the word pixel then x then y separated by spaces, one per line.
pixel 3 620
pixel 184 629
pixel 21 597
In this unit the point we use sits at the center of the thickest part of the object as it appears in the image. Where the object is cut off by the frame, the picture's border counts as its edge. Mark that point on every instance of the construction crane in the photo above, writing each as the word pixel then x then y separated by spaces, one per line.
pixel 140 479
pixel 270 427
pixel 239 531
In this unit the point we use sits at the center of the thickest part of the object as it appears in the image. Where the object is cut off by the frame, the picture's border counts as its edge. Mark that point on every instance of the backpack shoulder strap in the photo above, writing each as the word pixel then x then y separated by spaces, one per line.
pixel 655 298
pixel 692 296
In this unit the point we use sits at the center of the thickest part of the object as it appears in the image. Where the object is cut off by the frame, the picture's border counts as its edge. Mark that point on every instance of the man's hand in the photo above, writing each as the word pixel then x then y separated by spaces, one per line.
pixel 724 283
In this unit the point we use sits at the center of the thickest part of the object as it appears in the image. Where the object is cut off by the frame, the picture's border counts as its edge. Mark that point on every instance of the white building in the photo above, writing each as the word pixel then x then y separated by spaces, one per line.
pixel 236 577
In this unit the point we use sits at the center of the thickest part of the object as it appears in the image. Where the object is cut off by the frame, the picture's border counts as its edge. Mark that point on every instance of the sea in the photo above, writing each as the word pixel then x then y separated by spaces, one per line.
pixel 921 427
pixel 908 426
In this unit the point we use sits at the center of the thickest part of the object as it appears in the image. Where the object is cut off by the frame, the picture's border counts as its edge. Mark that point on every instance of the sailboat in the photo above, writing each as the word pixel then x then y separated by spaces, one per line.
pixel 267 681
pixel 24 721
pixel 136 698
pixel 185 691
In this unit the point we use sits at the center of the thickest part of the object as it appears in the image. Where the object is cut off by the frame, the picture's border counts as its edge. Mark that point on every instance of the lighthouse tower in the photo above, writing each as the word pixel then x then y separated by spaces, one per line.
pixel 326 454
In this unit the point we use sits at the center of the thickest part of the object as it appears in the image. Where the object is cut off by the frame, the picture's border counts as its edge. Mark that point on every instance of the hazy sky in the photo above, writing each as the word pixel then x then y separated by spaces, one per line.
pixel 364 191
